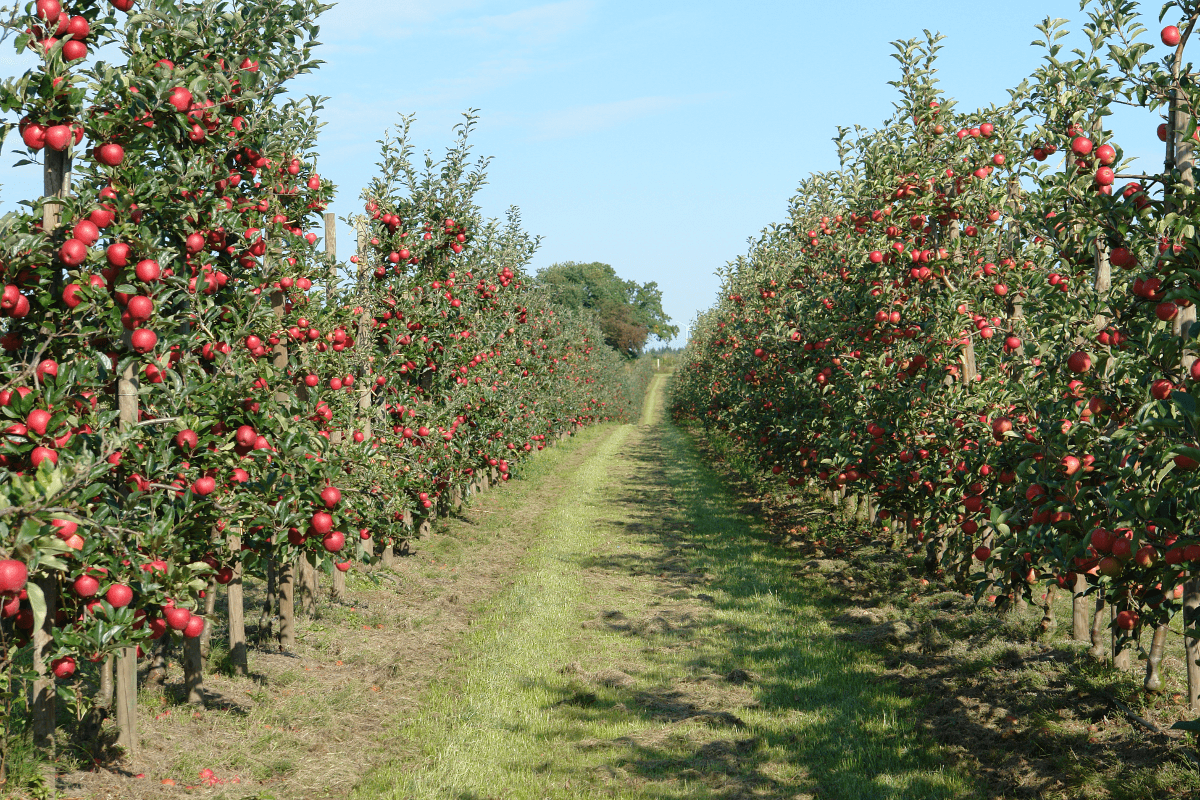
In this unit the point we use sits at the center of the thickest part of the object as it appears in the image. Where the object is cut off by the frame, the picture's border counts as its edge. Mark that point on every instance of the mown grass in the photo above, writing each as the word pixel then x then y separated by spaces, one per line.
pixel 729 681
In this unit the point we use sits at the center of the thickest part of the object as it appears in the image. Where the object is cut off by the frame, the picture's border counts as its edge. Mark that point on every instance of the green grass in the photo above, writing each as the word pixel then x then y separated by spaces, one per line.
pixel 644 536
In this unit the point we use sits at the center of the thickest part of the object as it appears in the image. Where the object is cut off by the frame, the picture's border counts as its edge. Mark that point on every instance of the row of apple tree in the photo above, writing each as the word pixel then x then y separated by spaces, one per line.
pixel 192 392
pixel 982 323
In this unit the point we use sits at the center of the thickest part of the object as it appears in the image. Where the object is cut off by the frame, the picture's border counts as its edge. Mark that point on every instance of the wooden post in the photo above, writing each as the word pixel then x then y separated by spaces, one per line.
pixel 44 692
pixel 125 688
pixel 306 583
pixel 237 611
pixel 210 606
pixel 56 179
pixel 126 702
pixel 331 252
pixel 285 584
pixel 1181 155
pixel 285 571
pixel 1081 630
pixel 1098 650
pixel 337 586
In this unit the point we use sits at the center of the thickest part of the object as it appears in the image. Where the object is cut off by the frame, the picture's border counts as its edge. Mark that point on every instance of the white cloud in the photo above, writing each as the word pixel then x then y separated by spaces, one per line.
pixel 537 24
pixel 601 116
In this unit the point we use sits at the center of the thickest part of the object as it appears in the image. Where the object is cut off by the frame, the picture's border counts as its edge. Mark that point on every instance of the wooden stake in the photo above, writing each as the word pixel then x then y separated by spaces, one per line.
pixel 126 702
pixel 285 583
pixel 237 612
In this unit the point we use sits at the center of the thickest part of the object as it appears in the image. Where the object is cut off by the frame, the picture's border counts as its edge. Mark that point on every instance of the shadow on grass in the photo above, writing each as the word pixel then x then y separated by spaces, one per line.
pixel 823 721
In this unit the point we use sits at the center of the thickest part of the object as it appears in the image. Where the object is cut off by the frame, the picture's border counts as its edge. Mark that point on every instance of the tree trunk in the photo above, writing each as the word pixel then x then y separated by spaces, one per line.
pixel 104 693
pixel 1191 646
pixel 1153 682
pixel 1048 623
pixel 193 669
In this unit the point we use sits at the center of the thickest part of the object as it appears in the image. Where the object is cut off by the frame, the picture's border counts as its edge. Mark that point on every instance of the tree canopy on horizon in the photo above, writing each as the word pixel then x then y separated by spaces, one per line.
pixel 628 312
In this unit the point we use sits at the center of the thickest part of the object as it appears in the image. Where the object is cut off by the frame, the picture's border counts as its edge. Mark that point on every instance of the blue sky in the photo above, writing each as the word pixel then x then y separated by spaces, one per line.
pixel 653 136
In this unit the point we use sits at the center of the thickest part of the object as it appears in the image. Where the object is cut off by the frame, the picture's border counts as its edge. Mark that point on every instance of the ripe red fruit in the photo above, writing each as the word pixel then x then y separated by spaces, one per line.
pixel 983 553
pixel 63 667
pixel 1127 620
pixel 119 595
pixel 71 296
pixel 334 541
pixel 86 231
pixel 110 155
pixel 1170 36
pixel 194 627
pixel 187 439
pixel 13 575
pixel 1105 176
pixel 58 137
pixel 73 50
pixel 1081 145
pixel 311 380
pixel 322 523
pixel 177 618
pixel 1161 389
pixel 343 566
pixel 1102 540
pixel 48 10
pixel 73 252
pixel 331 496
pixel 37 420
pixel 245 436
pixel 140 308
pixel 85 586
pixel 224 575
pixel 204 486
pixel 1106 154
pixel 117 254
pixel 181 98
pixel 1079 362
pixel 146 270
pixel 34 137
pixel 143 340
pixel 41 454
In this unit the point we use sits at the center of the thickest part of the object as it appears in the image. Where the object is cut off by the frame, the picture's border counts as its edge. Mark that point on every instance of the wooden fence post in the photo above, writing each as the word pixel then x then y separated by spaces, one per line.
pixel 238 656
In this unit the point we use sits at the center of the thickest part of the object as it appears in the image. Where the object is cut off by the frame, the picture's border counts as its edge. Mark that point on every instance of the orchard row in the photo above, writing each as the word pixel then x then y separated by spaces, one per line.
pixel 191 392
pixel 983 323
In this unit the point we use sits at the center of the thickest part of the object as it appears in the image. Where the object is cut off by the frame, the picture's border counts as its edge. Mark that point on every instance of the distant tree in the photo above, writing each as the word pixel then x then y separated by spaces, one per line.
pixel 628 312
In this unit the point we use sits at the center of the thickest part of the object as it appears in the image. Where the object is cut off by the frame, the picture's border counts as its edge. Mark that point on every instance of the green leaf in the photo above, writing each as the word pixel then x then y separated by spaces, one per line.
pixel 37 602
pixel 1192 725
pixel 1184 400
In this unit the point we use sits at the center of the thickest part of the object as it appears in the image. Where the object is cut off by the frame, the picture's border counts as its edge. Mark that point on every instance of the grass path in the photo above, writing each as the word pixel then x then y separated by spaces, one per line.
pixel 654 645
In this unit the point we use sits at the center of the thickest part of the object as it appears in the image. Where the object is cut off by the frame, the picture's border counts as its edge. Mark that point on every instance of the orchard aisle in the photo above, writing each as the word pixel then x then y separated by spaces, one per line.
pixel 655 645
